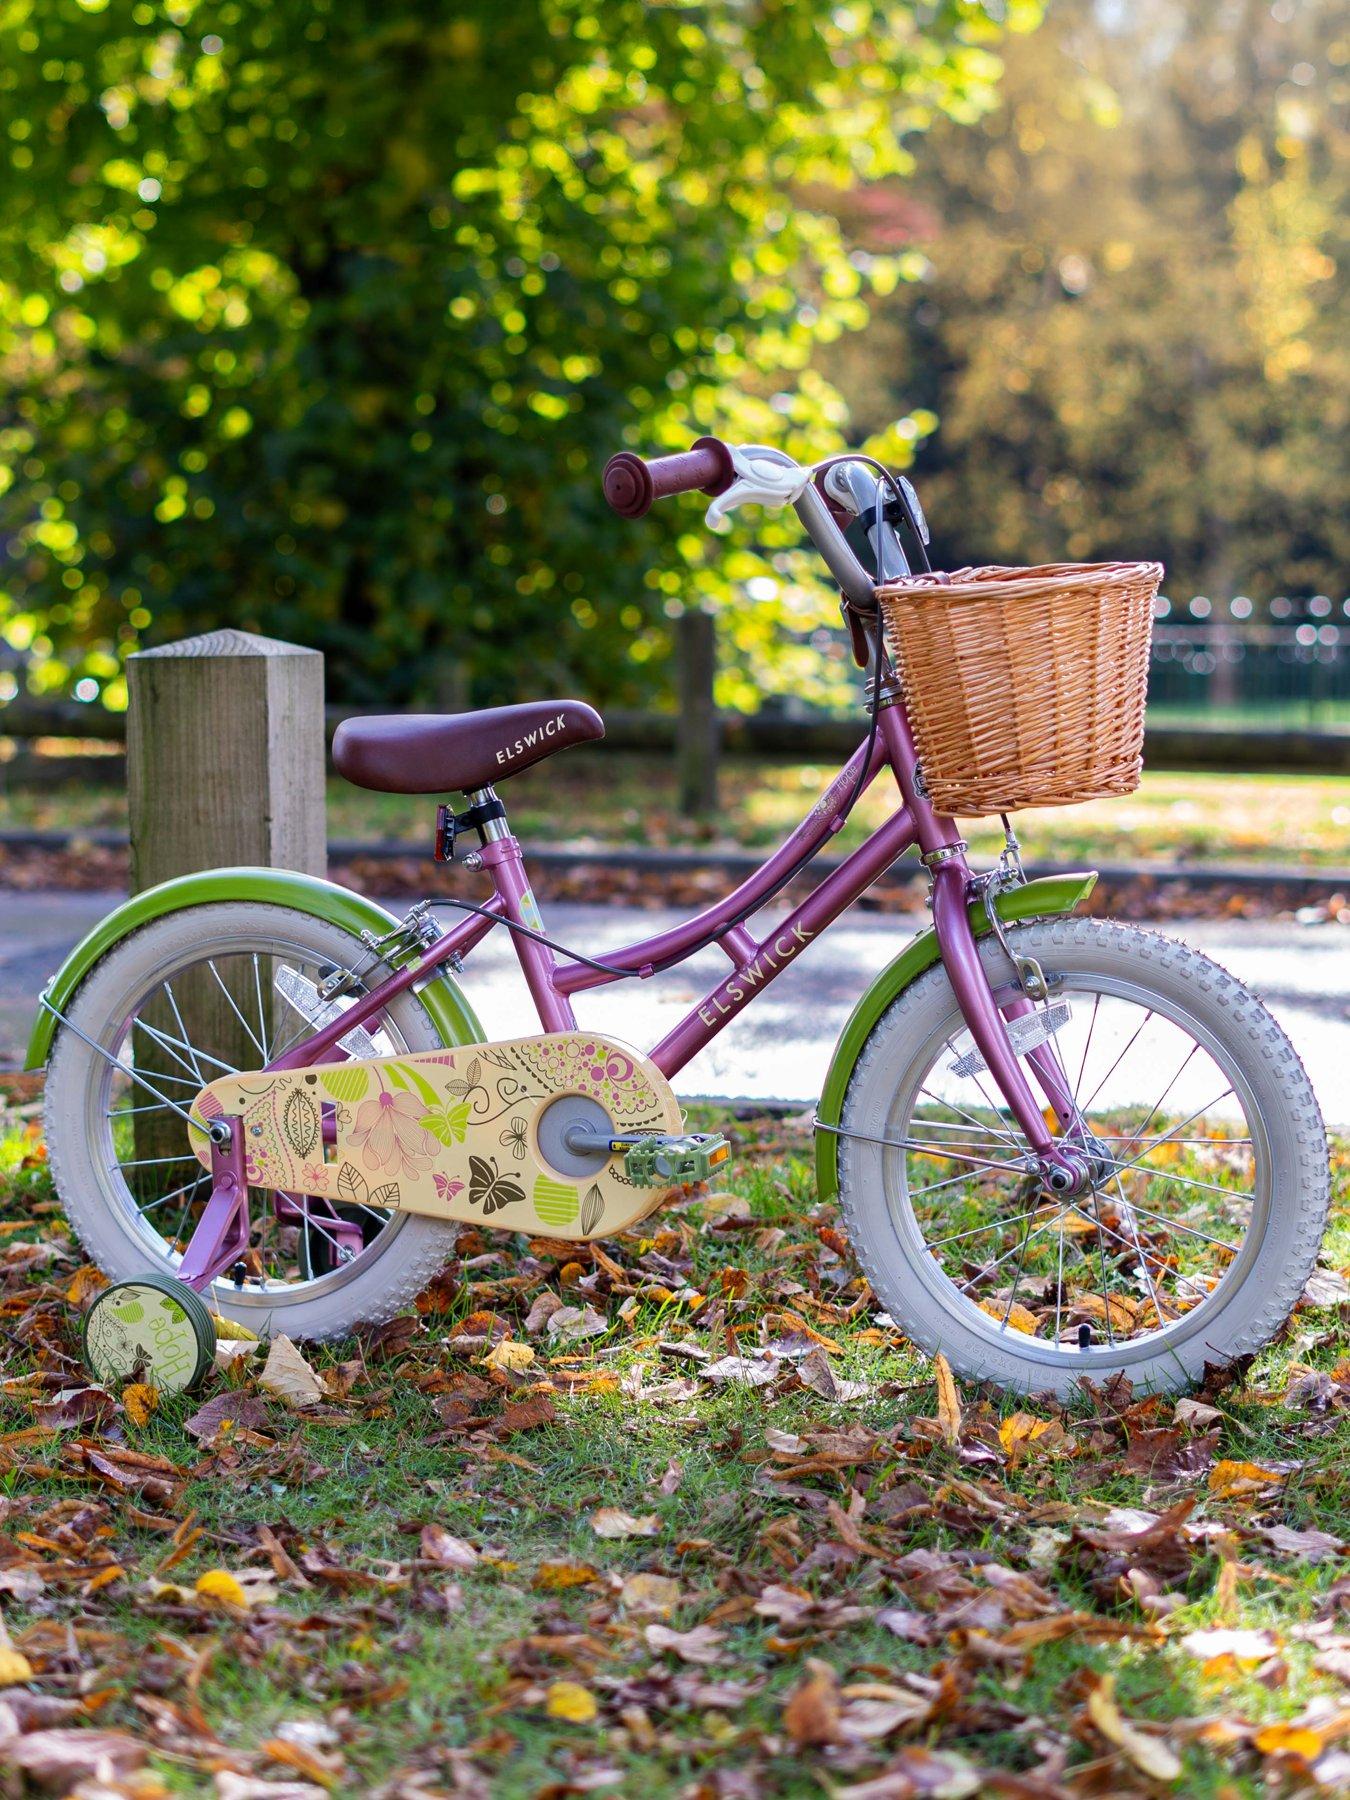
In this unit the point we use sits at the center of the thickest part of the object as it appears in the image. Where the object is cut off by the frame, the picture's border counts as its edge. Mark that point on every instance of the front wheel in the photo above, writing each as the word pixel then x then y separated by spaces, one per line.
pixel 189 997
pixel 1209 1189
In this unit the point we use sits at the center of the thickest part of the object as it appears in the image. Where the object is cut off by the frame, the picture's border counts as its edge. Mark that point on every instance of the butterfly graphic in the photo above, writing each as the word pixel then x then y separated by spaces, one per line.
pixel 446 1186
pixel 489 1186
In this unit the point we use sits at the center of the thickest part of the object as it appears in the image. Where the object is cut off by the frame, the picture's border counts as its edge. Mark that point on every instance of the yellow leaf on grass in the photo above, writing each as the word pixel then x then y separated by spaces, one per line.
pixel 509 1355
pixel 1020 1317
pixel 1021 1429
pixel 1070 1223
pixel 569 1700
pixel 1148 1754
pixel 1231 1480
pixel 86 1283
pixel 1121 1312
pixel 555 1577
pixel 613 1522
pixel 1290 1740
pixel 140 1400
pixel 650 1594
pixel 219 1584
pixel 14 1667
pixel 949 1401
pixel 288 1376
pixel 231 1328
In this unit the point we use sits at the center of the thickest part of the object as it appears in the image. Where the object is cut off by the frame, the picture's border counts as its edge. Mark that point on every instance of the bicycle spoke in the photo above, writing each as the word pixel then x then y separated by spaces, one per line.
pixel 1101 1260
pixel 1139 1252
pixel 1005 1137
pixel 989 1101
pixel 173 1046
pixel 1107 1137
pixel 160 1075
pixel 1186 1230
pixel 1199 1112
pixel 187 1208
pixel 262 1013
pixel 934 1187
pixel 164 1199
pixel 946 1125
pixel 984 1273
pixel 317 1225
pixel 972 1231
pixel 1087 1104
pixel 241 1017
pixel 1158 1104
pixel 1017 1278
pixel 1209 1187
pixel 210 963
pixel 887 1143
pixel 939 1151
pixel 1082 1067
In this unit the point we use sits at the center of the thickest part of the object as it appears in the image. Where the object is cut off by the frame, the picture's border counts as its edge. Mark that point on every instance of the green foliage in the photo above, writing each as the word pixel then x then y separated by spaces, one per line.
pixel 322 318
pixel 1134 327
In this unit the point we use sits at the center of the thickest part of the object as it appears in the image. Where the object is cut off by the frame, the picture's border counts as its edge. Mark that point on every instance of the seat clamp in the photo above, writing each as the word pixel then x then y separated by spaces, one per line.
pixel 449 825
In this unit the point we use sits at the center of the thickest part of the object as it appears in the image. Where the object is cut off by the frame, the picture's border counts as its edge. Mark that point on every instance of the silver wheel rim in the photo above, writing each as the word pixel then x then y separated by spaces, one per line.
pixel 113 1094
pixel 912 1114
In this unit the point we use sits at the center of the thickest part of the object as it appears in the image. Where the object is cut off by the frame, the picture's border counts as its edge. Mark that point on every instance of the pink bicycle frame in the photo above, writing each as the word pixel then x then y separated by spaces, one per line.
pixel 756 962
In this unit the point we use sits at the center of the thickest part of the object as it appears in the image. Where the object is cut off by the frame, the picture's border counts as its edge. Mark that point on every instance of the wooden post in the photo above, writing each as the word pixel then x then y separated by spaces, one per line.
pixel 225 757
pixel 697 736
pixel 225 766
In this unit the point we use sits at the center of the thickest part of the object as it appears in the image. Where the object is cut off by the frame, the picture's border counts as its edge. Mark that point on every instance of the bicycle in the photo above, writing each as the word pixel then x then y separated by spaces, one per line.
pixel 1061 1147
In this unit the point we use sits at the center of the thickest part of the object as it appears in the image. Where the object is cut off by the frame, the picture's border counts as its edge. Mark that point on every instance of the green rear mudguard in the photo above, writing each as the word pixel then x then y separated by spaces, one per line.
pixel 450 1012
pixel 1051 897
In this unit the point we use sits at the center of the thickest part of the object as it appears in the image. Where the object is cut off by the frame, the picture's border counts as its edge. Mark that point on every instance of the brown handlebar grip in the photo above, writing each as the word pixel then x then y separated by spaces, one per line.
pixel 632 484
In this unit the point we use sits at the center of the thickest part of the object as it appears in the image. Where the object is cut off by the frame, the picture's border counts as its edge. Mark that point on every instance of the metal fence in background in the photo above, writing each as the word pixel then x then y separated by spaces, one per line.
pixel 1226 666
pixel 1231 686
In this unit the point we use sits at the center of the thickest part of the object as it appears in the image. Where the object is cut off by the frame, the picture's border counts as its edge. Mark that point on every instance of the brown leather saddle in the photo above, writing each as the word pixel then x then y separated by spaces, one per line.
pixel 435 753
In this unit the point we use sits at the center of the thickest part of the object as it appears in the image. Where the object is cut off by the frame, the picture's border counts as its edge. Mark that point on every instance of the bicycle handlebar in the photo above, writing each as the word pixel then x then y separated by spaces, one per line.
pixel 631 483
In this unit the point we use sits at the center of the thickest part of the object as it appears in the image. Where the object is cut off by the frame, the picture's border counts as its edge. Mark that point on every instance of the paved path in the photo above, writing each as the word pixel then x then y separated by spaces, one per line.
pixel 779 1047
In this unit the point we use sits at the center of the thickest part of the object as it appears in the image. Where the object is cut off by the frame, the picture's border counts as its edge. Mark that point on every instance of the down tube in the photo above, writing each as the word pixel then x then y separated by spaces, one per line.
pixel 784 944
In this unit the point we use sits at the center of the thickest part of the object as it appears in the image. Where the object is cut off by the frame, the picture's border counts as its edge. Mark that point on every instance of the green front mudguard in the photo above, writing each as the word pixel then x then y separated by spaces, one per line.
pixel 450 1012
pixel 1051 897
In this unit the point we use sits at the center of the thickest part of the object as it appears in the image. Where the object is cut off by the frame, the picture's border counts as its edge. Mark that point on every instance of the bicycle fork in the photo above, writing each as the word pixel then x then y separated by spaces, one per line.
pixel 1066 1171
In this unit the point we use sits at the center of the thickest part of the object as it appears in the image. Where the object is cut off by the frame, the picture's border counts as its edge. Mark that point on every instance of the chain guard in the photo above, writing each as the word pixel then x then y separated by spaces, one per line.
pixel 453 1134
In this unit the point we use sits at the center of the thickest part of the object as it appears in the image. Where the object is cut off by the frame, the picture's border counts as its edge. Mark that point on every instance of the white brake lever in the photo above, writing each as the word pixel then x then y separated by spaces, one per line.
pixel 761 481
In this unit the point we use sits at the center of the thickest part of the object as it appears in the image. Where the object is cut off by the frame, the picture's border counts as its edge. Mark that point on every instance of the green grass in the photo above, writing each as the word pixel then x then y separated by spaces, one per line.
pixel 596 797
pixel 456 1669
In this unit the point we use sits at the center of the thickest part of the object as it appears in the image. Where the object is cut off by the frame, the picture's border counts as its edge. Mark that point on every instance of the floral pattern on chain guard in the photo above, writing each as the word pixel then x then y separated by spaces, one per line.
pixel 450 1133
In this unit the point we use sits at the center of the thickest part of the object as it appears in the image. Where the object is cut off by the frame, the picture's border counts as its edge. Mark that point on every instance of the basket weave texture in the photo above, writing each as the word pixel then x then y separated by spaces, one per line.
pixel 1025 687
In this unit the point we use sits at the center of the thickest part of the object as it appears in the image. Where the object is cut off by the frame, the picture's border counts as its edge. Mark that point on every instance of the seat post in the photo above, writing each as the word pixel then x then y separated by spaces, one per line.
pixel 491 830
pixel 501 856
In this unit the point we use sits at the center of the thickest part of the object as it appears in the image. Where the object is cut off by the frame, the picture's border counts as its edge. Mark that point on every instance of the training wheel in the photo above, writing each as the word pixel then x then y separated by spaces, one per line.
pixel 153 1329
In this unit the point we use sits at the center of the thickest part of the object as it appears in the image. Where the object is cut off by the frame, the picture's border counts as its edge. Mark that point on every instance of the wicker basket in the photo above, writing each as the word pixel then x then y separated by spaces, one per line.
pixel 1025 687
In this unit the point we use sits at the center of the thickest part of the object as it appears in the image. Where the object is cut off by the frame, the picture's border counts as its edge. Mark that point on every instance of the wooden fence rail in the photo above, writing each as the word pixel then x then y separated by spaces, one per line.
pixel 1323 751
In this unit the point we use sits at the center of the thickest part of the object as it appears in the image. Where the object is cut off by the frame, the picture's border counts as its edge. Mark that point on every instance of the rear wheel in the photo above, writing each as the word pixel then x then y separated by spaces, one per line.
pixel 1210 1180
pixel 185 999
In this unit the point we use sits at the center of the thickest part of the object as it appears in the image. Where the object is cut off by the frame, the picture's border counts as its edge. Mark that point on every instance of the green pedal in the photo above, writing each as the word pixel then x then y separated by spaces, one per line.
pixel 661 1160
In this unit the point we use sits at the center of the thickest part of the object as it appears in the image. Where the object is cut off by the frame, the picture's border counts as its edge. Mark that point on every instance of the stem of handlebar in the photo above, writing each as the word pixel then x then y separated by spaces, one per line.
pixel 818 522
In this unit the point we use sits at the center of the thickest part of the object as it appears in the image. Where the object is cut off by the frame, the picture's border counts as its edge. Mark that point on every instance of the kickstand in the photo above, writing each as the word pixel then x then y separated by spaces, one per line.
pixel 221 1234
